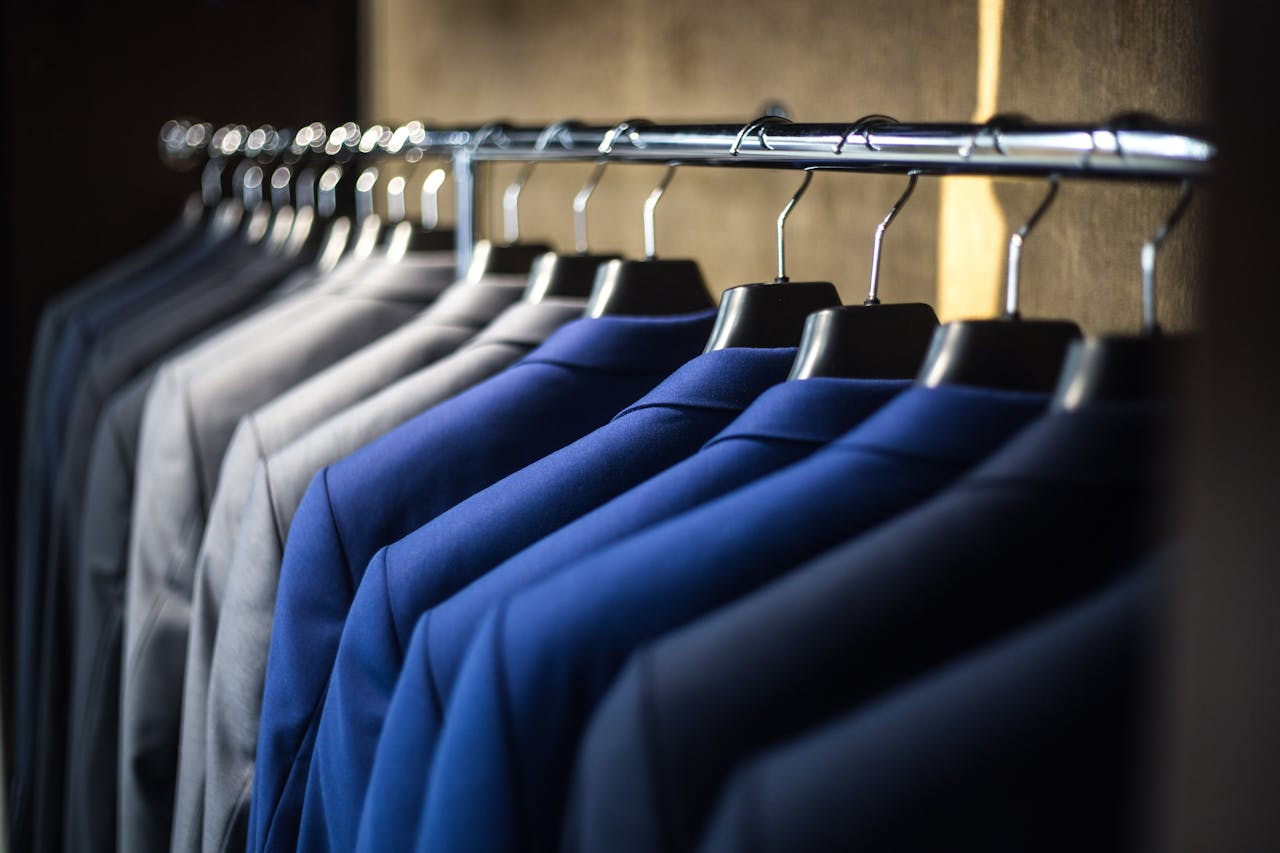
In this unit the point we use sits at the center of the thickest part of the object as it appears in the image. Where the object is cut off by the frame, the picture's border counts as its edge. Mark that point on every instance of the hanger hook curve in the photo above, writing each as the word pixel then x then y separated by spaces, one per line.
pixel 511 195
pixel 873 294
pixel 757 124
pixel 580 242
pixel 782 229
pixel 1150 247
pixel 1015 249
pixel 650 206
pixel 863 127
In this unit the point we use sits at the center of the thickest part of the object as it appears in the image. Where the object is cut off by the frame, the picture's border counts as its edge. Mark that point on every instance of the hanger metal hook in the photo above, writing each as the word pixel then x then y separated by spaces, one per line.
pixel 1015 249
pixel 873 294
pixel 1151 246
pixel 429 204
pixel 1149 249
pixel 511 203
pixel 580 242
pixel 757 124
pixel 511 195
pixel 782 230
pixel 365 182
pixel 651 205
pixel 580 200
pixel 863 127
pixel 407 139
pixel 395 199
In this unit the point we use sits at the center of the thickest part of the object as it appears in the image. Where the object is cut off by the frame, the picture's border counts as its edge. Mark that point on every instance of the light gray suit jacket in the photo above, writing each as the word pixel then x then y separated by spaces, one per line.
pixel 239 663
pixel 458 314
pixel 99 555
pixel 193 406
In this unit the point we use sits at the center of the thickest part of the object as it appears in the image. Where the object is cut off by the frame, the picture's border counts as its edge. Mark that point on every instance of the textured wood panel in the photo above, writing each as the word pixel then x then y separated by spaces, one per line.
pixel 526 60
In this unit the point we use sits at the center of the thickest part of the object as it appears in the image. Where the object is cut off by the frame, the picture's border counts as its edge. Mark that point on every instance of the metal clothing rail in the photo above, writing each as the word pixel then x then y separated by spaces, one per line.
pixel 1131 148
pixel 884 146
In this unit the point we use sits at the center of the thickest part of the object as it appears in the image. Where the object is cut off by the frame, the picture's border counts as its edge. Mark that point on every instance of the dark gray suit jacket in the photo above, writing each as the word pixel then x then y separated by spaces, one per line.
pixel 96 580
pixel 184 310
pixel 67 338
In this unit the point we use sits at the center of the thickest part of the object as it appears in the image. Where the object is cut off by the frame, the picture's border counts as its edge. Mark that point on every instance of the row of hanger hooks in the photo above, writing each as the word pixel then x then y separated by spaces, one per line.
pixel 1132 145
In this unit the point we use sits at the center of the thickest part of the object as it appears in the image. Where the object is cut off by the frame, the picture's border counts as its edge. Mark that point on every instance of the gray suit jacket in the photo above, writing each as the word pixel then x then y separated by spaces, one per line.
pixel 457 315
pixel 96 574
pixel 190 413
pixel 239 664
pixel 184 311
pixel 73 332
pixel 89 817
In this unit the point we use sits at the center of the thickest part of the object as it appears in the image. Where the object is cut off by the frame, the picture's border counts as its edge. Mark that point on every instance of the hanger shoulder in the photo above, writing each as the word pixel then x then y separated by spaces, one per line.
pixel 866 341
pixel 768 314
pixel 1011 355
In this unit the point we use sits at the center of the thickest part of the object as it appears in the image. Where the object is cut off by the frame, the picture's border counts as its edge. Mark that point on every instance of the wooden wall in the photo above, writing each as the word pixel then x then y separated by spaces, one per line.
pixel 533 60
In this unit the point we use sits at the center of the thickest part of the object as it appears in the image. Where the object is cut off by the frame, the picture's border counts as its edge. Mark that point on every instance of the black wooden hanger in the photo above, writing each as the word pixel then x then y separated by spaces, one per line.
pixel 868 341
pixel 1119 367
pixel 769 314
pixel 651 286
pixel 1009 353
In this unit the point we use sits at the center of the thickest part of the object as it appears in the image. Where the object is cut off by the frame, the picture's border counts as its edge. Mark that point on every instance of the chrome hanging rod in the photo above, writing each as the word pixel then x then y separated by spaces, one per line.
pixel 995 148
pixel 937 149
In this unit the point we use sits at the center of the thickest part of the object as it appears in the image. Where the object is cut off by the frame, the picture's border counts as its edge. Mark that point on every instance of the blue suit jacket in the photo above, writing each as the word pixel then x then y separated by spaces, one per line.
pixel 421 570
pixel 786 424
pixel 1031 744
pixel 542 659
pixel 1053 514
pixel 575 382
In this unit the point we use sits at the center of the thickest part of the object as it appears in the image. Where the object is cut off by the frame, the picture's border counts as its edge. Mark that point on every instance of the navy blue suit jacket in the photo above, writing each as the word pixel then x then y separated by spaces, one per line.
pixel 1056 512
pixel 542 660
pixel 420 571
pixel 786 424
pixel 1031 744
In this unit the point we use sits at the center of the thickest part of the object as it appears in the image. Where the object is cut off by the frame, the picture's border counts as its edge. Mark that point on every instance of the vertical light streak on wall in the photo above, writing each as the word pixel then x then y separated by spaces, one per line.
pixel 971 224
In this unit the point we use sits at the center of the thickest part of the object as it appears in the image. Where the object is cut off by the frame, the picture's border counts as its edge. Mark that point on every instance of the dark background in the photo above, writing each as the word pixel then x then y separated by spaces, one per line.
pixel 87 87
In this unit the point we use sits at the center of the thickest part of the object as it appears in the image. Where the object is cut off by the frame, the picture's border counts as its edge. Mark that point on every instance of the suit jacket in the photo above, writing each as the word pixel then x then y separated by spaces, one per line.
pixel 1029 744
pixel 418 572
pixel 89 815
pixel 190 413
pixel 239 662
pixel 96 579
pixel 583 375
pixel 543 658
pixel 117 356
pixel 70 349
pixel 785 424
pixel 1055 513
pixel 34 482
pixel 432 335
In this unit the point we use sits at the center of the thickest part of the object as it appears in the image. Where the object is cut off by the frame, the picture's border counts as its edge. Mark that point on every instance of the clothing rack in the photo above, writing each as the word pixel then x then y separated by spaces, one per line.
pixel 1129 148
